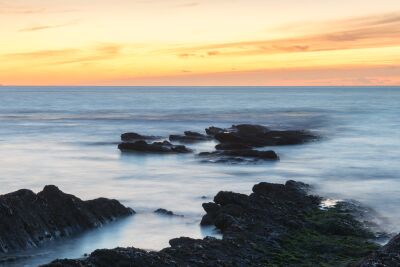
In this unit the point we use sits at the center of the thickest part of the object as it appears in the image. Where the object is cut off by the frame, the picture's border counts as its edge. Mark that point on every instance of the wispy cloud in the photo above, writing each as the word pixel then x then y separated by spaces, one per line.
pixel 189 4
pixel 68 56
pixel 46 27
pixel 330 76
pixel 370 32
pixel 10 8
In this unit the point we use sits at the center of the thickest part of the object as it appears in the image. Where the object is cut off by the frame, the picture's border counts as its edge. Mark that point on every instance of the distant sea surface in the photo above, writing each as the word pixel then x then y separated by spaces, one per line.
pixel 67 136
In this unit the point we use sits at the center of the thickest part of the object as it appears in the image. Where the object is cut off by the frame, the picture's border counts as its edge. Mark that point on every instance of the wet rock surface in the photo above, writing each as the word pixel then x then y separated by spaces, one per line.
pixel 156 147
pixel 28 220
pixel 241 155
pixel 130 137
pixel 387 256
pixel 260 136
pixel 212 131
pixel 190 137
pixel 276 225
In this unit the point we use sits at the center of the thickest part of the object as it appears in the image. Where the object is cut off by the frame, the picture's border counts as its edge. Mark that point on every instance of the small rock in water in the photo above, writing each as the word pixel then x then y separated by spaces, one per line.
pixel 190 137
pixel 212 131
pixel 258 136
pixel 128 137
pixel 242 155
pixel 156 147
pixel 166 212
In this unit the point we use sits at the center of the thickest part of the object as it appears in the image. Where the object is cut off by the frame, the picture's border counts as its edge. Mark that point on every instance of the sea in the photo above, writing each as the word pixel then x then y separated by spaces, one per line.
pixel 68 136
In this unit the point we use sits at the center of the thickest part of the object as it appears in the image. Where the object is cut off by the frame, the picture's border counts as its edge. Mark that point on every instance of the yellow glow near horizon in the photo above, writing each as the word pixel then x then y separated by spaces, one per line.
pixel 178 42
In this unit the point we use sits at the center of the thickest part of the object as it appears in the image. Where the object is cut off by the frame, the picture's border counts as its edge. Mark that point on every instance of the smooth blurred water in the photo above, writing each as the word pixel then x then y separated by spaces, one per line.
pixel 66 136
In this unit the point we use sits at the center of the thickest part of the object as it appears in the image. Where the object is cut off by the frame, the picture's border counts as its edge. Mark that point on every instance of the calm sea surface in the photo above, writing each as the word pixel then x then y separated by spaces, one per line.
pixel 66 136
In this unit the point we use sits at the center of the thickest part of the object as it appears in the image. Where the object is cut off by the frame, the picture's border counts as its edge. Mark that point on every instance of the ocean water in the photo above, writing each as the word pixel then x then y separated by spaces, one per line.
pixel 67 136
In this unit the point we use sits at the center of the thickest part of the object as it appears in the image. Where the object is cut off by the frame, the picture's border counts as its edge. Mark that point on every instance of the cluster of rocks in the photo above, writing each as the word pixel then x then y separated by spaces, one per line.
pixel 276 225
pixel 28 220
pixel 236 144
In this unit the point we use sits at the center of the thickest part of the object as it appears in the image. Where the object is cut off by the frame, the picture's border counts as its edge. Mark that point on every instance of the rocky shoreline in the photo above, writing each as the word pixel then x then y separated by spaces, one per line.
pixel 30 220
pixel 276 225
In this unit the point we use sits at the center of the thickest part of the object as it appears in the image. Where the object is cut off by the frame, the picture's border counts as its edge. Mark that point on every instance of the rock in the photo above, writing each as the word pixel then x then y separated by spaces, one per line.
pixel 243 155
pixel 189 137
pixel 259 136
pixel 212 131
pixel 156 147
pixel 166 212
pixel 129 137
pixel 387 256
pixel 28 220
pixel 273 226
pixel 232 146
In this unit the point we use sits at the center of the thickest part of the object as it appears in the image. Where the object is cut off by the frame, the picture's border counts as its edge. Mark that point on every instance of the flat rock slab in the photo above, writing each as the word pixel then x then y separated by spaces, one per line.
pixel 28 220
pixel 129 137
pixel 258 136
pixel 240 155
pixel 156 147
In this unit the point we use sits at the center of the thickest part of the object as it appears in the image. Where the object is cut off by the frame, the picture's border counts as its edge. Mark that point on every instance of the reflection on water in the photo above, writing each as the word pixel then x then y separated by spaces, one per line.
pixel 68 137
pixel 143 229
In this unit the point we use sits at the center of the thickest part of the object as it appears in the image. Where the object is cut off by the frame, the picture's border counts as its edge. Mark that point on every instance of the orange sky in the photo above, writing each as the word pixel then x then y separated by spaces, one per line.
pixel 204 42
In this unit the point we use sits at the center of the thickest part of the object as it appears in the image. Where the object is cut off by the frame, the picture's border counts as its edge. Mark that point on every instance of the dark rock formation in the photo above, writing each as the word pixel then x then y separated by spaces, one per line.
pixel 28 220
pixel 190 137
pixel 387 256
pixel 232 146
pixel 156 147
pixel 212 131
pixel 243 155
pixel 277 225
pixel 129 137
pixel 259 136
pixel 166 212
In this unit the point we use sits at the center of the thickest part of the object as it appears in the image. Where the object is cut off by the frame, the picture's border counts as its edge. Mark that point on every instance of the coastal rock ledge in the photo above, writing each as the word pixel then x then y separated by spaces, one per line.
pixel 28 220
pixel 276 225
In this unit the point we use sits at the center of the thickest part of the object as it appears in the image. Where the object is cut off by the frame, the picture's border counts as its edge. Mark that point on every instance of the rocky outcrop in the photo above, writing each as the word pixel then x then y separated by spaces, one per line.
pixel 387 256
pixel 156 147
pixel 240 155
pixel 130 137
pixel 190 137
pixel 260 136
pixel 277 225
pixel 27 220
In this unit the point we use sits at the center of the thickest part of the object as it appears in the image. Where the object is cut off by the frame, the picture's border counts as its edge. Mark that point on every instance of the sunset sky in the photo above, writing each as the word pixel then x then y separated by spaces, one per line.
pixel 203 42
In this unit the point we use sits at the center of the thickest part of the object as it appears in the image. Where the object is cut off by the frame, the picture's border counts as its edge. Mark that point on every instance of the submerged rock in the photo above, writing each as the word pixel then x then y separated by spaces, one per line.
pixel 166 212
pixel 129 137
pixel 27 220
pixel 276 225
pixel 249 155
pixel 259 136
pixel 189 136
pixel 232 146
pixel 156 147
